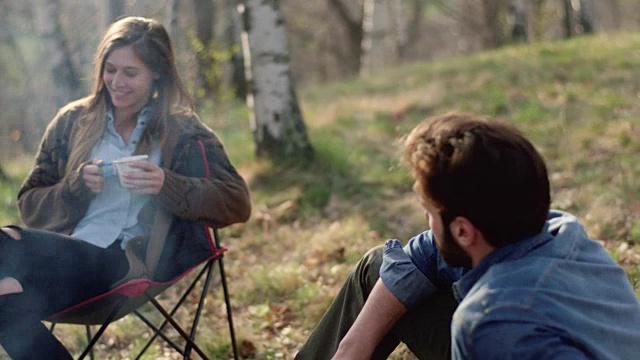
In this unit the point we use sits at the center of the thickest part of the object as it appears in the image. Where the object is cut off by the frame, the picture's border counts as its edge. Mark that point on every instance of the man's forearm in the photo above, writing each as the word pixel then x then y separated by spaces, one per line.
pixel 380 312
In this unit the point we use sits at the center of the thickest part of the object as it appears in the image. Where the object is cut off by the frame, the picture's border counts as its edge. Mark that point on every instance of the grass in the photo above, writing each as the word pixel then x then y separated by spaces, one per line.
pixel 576 100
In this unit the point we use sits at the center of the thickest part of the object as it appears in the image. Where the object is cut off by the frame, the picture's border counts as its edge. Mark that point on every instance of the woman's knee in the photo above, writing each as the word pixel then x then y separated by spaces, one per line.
pixel 9 285
pixel 11 232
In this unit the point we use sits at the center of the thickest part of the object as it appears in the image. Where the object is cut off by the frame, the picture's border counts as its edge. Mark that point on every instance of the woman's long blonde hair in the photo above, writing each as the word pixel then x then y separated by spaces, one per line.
pixel 151 43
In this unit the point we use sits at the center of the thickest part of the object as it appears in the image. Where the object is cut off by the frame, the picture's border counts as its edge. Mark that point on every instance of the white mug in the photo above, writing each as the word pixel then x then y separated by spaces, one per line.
pixel 122 167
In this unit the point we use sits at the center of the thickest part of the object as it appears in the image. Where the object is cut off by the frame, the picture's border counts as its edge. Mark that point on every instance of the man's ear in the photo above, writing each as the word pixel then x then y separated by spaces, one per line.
pixel 463 231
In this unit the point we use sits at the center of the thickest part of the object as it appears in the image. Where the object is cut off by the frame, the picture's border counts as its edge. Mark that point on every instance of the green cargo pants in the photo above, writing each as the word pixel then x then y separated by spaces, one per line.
pixel 425 329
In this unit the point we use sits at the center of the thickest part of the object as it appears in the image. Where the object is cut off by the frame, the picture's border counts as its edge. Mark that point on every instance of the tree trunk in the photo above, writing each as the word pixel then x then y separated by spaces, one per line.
pixel 492 34
pixel 378 48
pixel 353 25
pixel 369 8
pixel 568 19
pixel 415 22
pixel 519 22
pixel 279 130
pixel 234 42
pixel 65 76
pixel 400 27
pixel 585 17
pixel 207 80
pixel 616 14
pixel 32 119
pixel 30 90
pixel 111 10
pixel 171 22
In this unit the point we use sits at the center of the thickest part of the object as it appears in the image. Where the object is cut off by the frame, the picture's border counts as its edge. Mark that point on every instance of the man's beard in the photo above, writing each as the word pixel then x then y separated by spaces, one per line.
pixel 450 251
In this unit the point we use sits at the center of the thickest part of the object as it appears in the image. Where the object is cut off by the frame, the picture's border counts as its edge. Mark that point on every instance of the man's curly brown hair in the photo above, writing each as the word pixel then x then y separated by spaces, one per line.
pixel 483 169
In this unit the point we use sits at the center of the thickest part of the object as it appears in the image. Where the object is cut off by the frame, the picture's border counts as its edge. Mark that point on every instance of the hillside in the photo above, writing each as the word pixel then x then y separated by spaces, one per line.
pixel 579 102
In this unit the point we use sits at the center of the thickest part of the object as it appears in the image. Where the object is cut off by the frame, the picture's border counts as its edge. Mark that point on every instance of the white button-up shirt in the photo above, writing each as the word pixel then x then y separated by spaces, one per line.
pixel 113 213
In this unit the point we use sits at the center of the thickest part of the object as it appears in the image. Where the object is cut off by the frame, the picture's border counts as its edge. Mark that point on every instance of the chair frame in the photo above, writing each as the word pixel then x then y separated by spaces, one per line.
pixel 189 338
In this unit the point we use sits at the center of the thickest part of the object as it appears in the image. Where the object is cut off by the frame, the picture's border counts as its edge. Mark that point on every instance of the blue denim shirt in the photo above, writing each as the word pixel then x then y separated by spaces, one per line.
pixel 113 213
pixel 554 295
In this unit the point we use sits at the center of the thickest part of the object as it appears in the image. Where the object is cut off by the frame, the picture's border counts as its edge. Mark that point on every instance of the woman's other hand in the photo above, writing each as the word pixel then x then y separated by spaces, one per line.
pixel 148 180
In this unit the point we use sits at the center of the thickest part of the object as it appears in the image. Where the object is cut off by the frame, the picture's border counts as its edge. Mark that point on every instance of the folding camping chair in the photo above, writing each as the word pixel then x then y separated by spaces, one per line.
pixel 136 292
pixel 138 287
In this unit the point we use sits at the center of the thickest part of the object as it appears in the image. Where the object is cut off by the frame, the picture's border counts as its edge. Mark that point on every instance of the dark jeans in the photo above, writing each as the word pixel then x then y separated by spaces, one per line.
pixel 425 329
pixel 55 272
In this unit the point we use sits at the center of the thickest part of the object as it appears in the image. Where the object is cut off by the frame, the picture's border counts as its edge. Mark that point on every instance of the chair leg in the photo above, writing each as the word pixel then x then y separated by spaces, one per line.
pixel 227 301
pixel 196 318
pixel 158 332
pixel 173 311
pixel 207 282
pixel 176 326
pixel 88 330
pixel 96 337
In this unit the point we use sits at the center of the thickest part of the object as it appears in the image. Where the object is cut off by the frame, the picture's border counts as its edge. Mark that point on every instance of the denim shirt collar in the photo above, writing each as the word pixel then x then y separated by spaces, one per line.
pixel 141 120
pixel 141 124
pixel 510 252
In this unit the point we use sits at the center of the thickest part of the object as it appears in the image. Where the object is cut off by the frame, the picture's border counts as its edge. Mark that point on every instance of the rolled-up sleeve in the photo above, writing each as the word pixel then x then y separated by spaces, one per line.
pixel 402 277
pixel 416 271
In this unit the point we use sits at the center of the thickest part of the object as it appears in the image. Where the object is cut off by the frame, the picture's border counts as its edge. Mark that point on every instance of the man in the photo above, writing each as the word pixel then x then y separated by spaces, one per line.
pixel 497 276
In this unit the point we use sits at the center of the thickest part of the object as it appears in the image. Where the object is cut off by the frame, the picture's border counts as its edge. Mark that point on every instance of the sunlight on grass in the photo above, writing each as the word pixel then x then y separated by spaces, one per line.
pixel 16 170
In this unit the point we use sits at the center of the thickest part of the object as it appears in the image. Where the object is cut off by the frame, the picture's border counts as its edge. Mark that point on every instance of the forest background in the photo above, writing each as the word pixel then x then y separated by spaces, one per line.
pixel 363 73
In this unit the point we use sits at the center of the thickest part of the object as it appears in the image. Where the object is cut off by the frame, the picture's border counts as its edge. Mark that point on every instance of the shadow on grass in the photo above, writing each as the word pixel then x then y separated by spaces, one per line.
pixel 357 163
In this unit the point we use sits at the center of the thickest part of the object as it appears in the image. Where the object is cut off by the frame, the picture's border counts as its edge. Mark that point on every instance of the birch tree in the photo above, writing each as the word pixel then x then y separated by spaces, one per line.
pixel 64 72
pixel 384 34
pixel 369 8
pixel 277 123
pixel 401 28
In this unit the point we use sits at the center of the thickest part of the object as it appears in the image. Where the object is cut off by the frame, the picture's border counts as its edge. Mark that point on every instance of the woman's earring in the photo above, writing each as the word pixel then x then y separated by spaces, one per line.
pixel 155 93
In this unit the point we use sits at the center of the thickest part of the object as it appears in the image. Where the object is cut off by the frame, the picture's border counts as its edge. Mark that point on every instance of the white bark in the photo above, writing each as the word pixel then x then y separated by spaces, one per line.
pixel 368 11
pixel 383 34
pixel 400 26
pixel 248 68
pixel 278 126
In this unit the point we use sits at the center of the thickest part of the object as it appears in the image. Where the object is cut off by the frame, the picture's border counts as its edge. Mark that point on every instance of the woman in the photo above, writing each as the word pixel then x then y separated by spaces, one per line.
pixel 138 106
